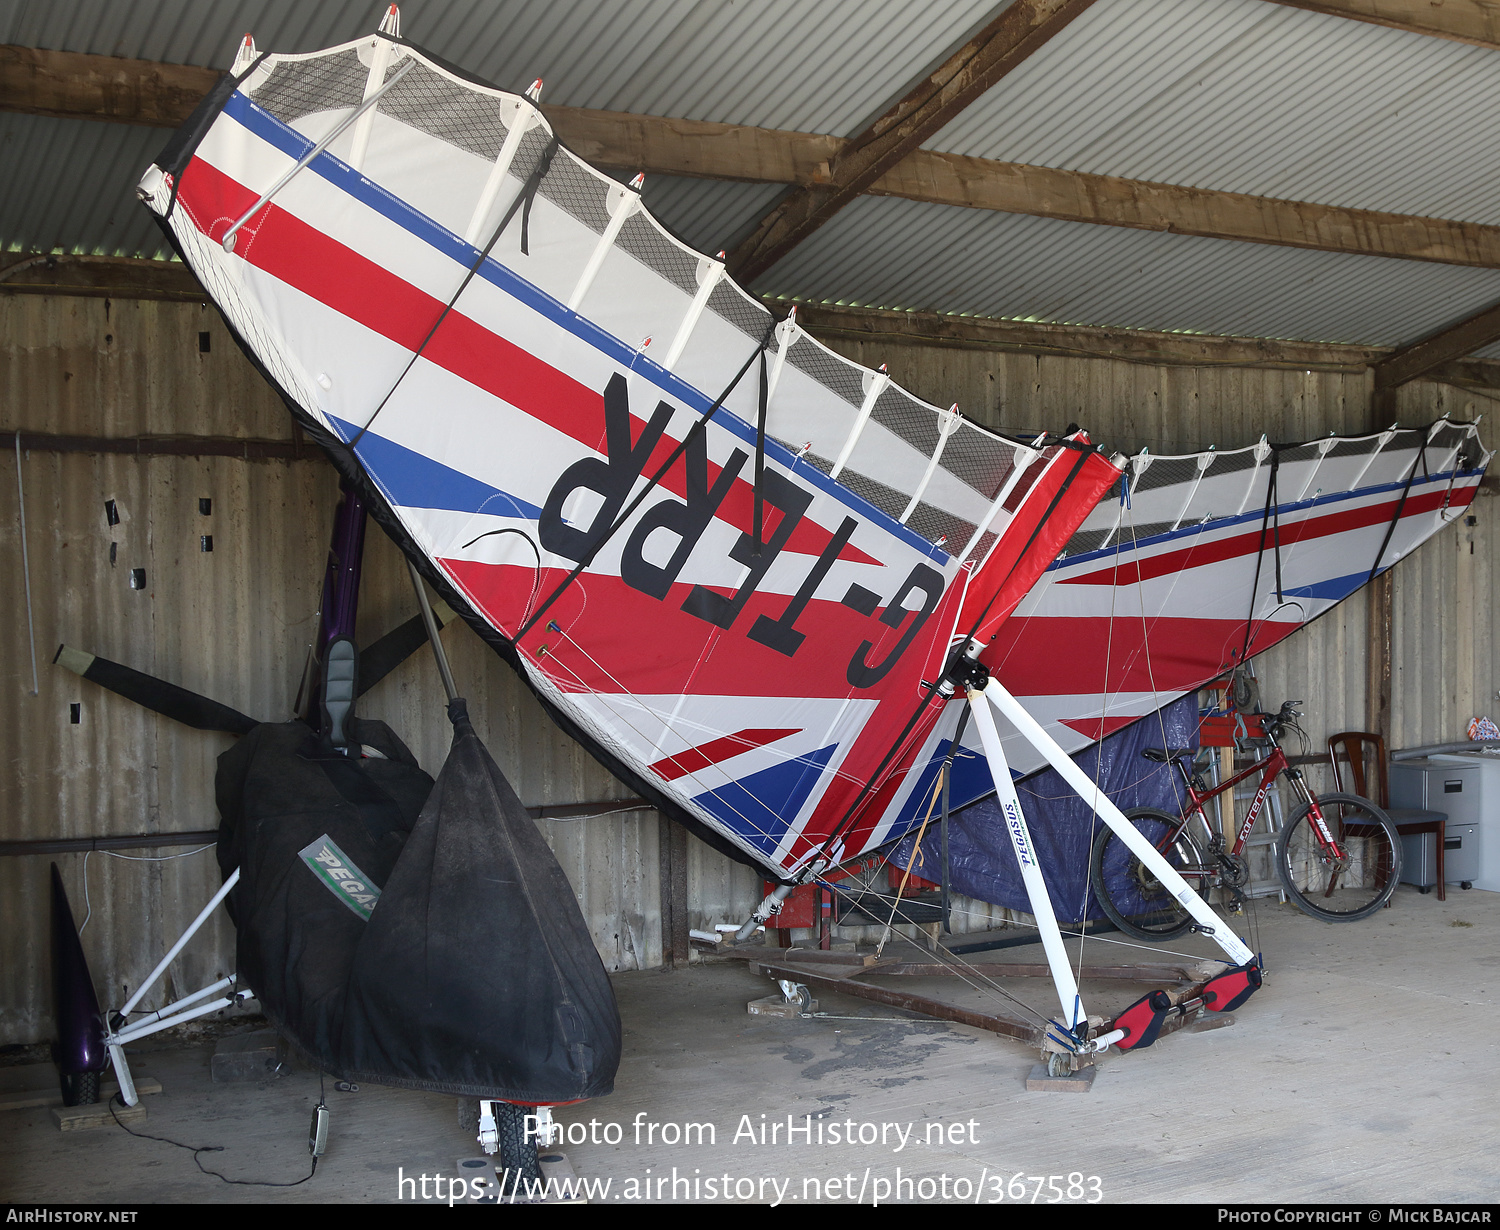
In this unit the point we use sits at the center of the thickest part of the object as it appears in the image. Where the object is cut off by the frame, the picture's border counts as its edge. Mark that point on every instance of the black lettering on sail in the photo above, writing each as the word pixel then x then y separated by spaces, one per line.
pixel 611 479
pixel 781 634
pixel 687 520
pixel 930 581
pixel 780 493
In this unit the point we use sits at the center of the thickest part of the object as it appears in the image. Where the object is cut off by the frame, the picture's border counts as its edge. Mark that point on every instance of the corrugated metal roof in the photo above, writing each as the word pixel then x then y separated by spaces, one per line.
pixel 70 185
pixel 829 67
pixel 1234 94
pixel 709 214
pixel 881 252
pixel 1245 96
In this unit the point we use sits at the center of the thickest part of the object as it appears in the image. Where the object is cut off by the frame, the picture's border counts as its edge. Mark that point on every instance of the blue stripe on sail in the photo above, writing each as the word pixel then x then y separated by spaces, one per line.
pixel 292 143
pixel 1335 588
pixel 759 807
pixel 409 479
pixel 1256 515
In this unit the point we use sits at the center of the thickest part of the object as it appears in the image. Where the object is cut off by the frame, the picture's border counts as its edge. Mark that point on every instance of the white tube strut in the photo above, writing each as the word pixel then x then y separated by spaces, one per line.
pixel 1031 873
pixel 1031 730
pixel 140 991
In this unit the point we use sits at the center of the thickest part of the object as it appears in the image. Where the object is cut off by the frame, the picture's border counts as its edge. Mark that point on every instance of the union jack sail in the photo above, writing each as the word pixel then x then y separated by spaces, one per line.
pixel 732 562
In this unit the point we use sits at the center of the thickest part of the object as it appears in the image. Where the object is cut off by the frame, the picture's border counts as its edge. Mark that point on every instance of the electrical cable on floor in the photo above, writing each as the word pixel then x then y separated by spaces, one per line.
pixel 195 1150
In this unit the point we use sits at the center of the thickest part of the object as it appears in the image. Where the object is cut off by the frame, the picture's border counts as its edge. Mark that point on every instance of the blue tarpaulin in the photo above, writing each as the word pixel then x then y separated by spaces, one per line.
pixel 982 862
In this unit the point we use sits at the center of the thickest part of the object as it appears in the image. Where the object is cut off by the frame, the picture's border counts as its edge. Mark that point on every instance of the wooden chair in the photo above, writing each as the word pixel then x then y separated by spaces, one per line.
pixel 1349 751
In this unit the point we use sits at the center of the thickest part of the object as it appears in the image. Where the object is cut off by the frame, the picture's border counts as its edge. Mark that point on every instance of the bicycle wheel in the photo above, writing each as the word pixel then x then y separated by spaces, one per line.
pixel 1346 886
pixel 1128 892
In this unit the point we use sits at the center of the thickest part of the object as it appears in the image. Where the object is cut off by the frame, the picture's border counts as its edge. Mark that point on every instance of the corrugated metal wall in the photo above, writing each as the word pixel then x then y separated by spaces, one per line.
pixel 234 623
pixel 1446 669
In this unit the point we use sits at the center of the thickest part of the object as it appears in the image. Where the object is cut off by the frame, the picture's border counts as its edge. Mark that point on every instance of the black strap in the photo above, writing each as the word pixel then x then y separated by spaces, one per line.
pixel 758 531
pixel 1265 522
pixel 523 200
pixel 692 433
pixel 1419 460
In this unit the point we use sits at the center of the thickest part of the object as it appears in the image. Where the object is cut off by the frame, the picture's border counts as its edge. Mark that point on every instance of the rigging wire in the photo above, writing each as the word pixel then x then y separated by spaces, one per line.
pixel 964 970
pixel 1071 934
pixel 1109 645
pixel 937 786
pixel 625 721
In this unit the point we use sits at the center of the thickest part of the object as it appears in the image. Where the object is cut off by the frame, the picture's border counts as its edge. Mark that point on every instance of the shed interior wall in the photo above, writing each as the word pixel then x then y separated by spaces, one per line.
pixel 234 623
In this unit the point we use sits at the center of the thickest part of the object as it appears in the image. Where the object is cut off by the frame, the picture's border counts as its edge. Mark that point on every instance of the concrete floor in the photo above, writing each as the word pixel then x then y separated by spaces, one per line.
pixel 1364 1071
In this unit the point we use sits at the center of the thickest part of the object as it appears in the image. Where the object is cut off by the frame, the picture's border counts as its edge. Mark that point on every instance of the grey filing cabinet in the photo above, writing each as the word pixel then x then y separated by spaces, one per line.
pixel 1466 788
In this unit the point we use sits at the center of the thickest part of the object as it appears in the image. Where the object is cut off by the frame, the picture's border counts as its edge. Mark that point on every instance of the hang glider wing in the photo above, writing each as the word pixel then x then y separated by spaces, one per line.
pixel 1193 563
pixel 730 561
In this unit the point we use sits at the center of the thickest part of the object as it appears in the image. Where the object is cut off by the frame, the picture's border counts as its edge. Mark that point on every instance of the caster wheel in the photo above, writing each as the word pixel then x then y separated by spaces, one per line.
pixel 81 1089
pixel 1424 891
pixel 1059 1064
pixel 1466 885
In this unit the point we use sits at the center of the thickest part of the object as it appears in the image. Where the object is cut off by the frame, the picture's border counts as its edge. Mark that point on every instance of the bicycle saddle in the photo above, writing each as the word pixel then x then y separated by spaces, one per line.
pixel 1171 755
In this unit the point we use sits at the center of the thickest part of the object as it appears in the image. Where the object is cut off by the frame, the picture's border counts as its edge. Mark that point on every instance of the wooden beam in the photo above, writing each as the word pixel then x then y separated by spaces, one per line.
pixel 1045 192
pixel 111 277
pixel 694 148
pixel 1123 345
pixel 1454 342
pixel 136 91
pixel 124 278
pixel 976 67
pixel 1465 21
pixel 1074 341
pixel 77 86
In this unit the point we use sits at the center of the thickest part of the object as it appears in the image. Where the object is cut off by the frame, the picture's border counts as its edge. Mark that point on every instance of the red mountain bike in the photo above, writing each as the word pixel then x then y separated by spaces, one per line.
pixel 1338 858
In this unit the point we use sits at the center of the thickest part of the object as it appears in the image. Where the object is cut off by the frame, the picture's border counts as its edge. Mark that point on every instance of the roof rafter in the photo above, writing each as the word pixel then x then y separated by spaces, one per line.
pixel 77 86
pixel 72 85
pixel 1464 21
pixel 1422 357
pixel 978 65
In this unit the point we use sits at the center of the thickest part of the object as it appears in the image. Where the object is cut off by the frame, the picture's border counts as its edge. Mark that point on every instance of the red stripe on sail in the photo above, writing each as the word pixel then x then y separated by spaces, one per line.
pixel 715 751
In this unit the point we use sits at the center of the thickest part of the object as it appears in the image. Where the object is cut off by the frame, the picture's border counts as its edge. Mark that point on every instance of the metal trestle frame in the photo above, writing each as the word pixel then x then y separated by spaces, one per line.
pixel 1209 923
pixel 185 1009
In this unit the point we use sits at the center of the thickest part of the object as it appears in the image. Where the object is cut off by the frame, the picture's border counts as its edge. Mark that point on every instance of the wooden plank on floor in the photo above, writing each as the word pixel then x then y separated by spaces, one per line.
pixel 99 1114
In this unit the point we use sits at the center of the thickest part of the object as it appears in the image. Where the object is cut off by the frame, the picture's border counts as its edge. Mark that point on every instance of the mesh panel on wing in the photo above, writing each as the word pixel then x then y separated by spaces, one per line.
pixel 1087 540
pixel 432 103
pixel 567 184
pixel 903 415
pixel 731 305
pixel 1231 463
pixel 890 501
pixel 1146 529
pixel 640 238
pixel 1164 472
pixel 838 377
pixel 1446 438
pixel 935 525
pixel 982 548
pixel 1302 452
pixel 1354 448
pixel 978 459
pixel 300 87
